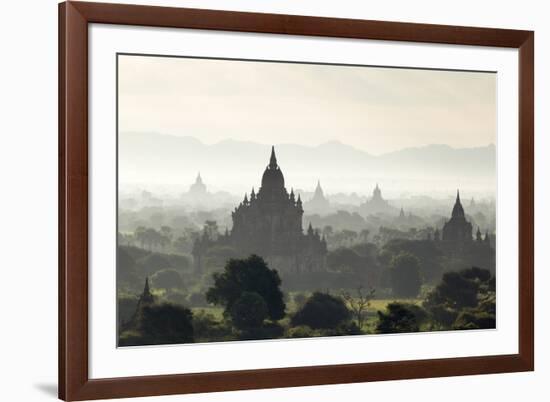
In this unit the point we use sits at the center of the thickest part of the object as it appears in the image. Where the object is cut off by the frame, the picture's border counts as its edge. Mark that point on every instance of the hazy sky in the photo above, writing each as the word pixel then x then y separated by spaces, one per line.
pixel 374 109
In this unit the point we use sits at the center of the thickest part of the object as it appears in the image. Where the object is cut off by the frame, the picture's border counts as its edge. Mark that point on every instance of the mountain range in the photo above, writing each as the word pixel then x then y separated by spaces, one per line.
pixel 157 158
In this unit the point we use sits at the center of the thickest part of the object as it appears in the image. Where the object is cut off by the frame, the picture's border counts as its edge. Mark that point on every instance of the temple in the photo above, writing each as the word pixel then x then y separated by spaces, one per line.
pixel 457 230
pixel 318 203
pixel 269 224
pixel 198 188
pixel 376 204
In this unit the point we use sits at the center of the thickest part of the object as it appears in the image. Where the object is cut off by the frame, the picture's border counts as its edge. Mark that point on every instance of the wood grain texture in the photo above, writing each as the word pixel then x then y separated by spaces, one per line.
pixel 74 382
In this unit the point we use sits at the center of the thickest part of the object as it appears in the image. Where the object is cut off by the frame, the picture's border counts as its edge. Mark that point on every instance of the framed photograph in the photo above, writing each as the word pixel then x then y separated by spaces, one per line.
pixel 259 200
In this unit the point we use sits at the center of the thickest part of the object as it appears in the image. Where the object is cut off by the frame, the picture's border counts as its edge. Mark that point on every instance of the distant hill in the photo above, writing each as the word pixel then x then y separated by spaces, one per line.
pixel 236 165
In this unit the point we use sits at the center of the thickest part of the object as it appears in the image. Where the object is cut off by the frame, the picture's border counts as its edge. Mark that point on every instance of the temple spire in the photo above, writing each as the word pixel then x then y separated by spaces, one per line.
pixel 146 290
pixel 458 210
pixel 273 159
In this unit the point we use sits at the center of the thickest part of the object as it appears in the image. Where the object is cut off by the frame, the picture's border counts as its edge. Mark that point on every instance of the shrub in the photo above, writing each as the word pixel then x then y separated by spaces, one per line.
pixel 399 318
pixel 165 324
pixel 207 329
pixel 322 311
pixel 301 331
pixel 474 319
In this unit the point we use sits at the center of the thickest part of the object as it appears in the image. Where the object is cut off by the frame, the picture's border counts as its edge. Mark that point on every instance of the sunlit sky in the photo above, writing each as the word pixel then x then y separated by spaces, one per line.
pixel 377 110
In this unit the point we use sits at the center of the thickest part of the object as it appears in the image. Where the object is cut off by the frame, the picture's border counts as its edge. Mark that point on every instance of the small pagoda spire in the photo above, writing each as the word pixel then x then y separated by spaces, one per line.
pixel 309 229
pixel 146 297
pixel 292 198
pixel 252 194
pixel 146 289
pixel 478 234
pixel 245 201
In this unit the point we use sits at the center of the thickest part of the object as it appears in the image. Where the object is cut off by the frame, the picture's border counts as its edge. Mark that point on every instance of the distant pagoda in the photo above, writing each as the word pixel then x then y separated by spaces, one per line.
pixel 457 229
pixel 376 204
pixel 318 203
pixel 198 188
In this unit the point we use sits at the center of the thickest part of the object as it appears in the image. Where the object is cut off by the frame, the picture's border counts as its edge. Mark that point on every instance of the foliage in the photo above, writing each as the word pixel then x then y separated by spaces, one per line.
pixel 166 324
pixel 126 270
pixel 427 252
pixel 126 308
pixel 167 279
pixel 247 275
pixel 344 259
pixel 322 310
pixel 299 299
pixel 399 318
pixel 405 275
pixel 269 330
pixel 463 300
pixel 249 311
pixel 301 331
pixel 474 319
pixel 207 328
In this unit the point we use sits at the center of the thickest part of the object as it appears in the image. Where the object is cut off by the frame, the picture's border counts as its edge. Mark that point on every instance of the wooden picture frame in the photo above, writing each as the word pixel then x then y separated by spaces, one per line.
pixel 74 381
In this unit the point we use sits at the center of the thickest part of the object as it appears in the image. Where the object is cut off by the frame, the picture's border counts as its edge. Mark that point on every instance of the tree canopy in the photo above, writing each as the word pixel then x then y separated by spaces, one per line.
pixel 464 300
pixel 249 311
pixel 248 275
pixel 322 311
pixel 405 275
pixel 166 324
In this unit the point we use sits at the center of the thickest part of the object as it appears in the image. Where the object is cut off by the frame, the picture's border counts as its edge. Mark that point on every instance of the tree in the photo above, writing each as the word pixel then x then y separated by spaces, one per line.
pixel 364 235
pixel 210 230
pixel 182 244
pixel 345 260
pixel 463 300
pixel 166 324
pixel 427 252
pixel 358 303
pixel 247 275
pixel 126 273
pixel 405 275
pixel 322 311
pixel 399 318
pixel 141 236
pixel 249 311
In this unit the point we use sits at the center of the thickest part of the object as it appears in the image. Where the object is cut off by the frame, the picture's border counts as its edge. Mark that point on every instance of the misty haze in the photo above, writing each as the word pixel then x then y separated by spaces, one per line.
pixel 261 200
